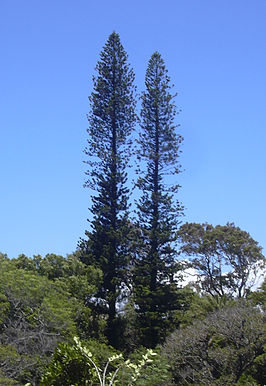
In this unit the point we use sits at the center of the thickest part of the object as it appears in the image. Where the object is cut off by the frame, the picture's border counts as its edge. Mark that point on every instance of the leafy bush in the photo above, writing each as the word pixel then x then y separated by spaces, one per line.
pixel 98 364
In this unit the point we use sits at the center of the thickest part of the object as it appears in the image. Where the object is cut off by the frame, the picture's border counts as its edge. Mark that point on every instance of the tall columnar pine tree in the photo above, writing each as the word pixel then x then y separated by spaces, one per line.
pixel 155 290
pixel 111 120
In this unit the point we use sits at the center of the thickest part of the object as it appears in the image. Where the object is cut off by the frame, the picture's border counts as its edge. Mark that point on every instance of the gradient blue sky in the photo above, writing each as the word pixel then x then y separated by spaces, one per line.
pixel 215 53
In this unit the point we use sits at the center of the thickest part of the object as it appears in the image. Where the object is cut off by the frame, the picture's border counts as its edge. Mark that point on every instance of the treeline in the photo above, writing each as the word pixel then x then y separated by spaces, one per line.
pixel 219 340
pixel 63 320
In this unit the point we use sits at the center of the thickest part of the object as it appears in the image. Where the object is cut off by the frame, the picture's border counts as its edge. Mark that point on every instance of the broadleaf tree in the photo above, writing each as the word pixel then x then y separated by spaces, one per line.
pixel 226 348
pixel 111 120
pixel 227 259
pixel 158 210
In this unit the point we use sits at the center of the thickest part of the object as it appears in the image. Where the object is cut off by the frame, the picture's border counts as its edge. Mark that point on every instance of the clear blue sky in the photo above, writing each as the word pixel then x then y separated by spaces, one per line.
pixel 215 53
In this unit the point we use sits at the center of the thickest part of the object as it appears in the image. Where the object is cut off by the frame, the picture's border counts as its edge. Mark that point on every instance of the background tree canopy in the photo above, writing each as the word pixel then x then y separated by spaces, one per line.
pixel 227 259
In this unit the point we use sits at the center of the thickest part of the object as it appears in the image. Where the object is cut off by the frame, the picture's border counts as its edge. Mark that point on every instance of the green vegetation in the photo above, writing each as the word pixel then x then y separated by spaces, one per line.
pixel 227 259
pixel 117 311
pixel 220 349
pixel 111 121
pixel 156 293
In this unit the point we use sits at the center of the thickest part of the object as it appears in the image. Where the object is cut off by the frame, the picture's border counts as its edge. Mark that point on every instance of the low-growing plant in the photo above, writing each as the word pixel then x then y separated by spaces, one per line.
pixel 79 364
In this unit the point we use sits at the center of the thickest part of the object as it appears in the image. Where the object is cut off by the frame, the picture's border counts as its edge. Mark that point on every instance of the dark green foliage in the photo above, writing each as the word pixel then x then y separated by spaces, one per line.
pixel 259 297
pixel 219 350
pixel 227 259
pixel 5 381
pixel 70 367
pixel 158 211
pixel 111 121
pixel 201 306
pixel 74 365
pixel 256 373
